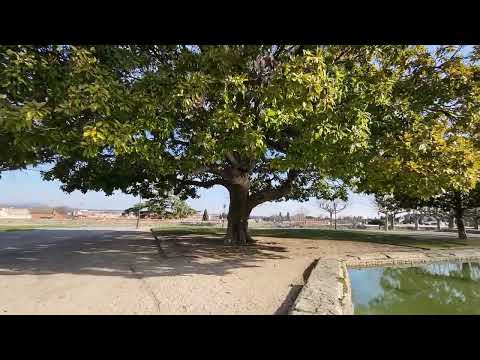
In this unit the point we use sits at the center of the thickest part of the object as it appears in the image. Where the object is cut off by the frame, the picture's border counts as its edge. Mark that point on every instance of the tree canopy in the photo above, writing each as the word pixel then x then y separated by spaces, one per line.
pixel 425 138
pixel 268 123
pixel 169 207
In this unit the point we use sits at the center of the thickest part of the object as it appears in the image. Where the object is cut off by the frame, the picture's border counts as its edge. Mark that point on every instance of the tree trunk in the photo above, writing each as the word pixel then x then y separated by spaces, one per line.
pixel 438 224
pixel 475 219
pixel 450 221
pixel 393 221
pixel 462 234
pixel 386 221
pixel 238 213
pixel 331 221
pixel 417 219
pixel 335 221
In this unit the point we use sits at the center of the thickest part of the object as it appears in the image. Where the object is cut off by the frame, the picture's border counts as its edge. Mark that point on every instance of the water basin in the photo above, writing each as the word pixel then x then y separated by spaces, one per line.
pixel 446 288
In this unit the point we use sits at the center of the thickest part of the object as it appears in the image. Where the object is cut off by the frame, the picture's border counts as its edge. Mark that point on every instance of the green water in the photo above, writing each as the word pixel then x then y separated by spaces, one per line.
pixel 446 288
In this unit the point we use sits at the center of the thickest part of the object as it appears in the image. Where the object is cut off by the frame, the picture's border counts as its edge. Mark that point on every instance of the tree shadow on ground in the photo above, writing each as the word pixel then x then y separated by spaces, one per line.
pixel 417 240
pixel 412 239
pixel 126 253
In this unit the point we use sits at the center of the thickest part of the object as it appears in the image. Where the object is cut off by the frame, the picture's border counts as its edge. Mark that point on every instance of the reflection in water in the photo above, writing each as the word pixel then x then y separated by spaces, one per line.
pixel 440 288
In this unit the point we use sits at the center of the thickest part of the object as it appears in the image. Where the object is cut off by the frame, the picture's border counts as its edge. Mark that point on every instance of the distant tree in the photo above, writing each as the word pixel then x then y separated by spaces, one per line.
pixel 333 207
pixel 459 202
pixel 180 208
pixel 205 215
pixel 356 220
pixel 376 222
pixel 300 216
pixel 437 213
pixel 168 207
pixel 64 210
pixel 452 203
pixel 136 208
pixel 388 205
pixel 474 216
pixel 288 216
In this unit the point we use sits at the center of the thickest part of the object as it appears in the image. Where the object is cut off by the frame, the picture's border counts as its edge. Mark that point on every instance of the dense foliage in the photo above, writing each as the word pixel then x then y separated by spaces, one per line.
pixel 269 123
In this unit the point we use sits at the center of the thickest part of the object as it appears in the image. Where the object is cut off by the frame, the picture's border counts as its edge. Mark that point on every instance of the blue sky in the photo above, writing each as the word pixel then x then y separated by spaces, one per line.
pixel 17 187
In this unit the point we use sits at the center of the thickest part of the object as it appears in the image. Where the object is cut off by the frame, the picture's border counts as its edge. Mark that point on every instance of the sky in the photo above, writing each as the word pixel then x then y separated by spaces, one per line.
pixel 27 186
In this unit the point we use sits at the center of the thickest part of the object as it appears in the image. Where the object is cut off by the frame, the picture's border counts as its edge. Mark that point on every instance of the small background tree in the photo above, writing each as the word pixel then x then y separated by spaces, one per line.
pixel 474 216
pixel 390 206
pixel 205 216
pixel 333 207
pixel 168 207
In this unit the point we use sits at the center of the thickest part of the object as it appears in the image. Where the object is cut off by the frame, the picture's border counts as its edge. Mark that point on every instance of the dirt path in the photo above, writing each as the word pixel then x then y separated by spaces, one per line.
pixel 122 272
pixel 72 272
pixel 200 276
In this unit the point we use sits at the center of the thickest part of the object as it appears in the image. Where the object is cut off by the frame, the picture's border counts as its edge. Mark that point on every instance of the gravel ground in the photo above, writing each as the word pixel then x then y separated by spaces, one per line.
pixel 126 272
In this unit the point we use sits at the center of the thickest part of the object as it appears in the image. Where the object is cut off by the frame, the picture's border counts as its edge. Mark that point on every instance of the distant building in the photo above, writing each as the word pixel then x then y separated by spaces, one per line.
pixel 45 213
pixel 98 214
pixel 198 216
pixel 14 213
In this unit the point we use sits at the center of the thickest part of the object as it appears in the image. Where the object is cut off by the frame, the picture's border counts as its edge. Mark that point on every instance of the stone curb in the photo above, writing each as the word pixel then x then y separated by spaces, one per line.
pixel 327 291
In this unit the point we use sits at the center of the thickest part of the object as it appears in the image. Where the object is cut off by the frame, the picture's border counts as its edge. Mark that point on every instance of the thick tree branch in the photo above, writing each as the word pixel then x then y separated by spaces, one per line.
pixel 274 193
pixel 232 159
pixel 205 184
pixel 276 145
pixel 339 56
pixel 211 168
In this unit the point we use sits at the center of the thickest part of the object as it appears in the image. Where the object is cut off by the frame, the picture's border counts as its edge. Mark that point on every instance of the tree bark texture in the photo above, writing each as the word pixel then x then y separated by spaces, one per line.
pixel 238 213
pixel 462 234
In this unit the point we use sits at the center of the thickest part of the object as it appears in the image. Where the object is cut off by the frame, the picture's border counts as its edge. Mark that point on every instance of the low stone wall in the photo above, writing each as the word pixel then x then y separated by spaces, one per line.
pixel 328 292
pixel 412 257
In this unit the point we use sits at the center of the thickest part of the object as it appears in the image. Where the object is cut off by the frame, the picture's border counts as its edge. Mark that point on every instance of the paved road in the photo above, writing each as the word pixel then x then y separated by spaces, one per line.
pixel 75 272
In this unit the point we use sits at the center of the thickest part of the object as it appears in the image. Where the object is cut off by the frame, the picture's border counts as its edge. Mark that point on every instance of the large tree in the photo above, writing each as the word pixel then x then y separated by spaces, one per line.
pixel 268 123
pixel 427 134
pixel 23 140
pixel 426 138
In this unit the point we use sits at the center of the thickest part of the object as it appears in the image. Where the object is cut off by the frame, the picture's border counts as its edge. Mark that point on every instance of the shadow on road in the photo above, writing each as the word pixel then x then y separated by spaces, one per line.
pixel 116 253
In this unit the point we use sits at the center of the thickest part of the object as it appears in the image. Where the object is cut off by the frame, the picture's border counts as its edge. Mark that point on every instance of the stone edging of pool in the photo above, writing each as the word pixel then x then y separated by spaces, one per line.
pixel 327 290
